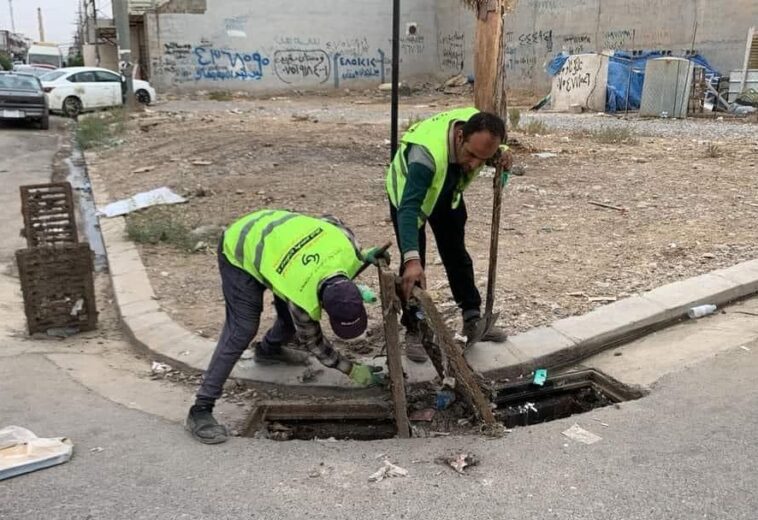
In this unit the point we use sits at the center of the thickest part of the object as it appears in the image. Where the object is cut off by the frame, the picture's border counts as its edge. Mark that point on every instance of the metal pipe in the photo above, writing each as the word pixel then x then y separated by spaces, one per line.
pixel 395 76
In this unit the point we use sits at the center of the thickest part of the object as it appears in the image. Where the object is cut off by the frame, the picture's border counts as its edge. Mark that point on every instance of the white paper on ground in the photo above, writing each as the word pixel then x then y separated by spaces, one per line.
pixel 141 200
pixel 579 434
pixel 23 452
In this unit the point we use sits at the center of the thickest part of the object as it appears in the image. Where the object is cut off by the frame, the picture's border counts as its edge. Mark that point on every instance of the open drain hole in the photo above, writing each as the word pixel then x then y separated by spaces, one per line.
pixel 518 404
pixel 562 395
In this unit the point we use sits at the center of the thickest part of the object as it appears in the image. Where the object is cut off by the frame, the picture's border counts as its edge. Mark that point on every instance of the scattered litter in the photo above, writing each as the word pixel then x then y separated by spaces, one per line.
pixel 602 299
pixel 448 382
pixel 518 170
pixel 746 349
pixel 78 307
pixel 459 337
pixel 444 399
pixel 21 451
pixel 426 414
pixel 599 421
pixel 97 450
pixel 201 163
pixel 457 81
pixel 700 311
pixel 459 462
pixel 579 434
pixel 160 368
pixel 389 470
pixel 144 169
pixel 608 206
pixel 439 434
pixel 540 376
pixel 142 200
pixel 577 294
pixel 545 155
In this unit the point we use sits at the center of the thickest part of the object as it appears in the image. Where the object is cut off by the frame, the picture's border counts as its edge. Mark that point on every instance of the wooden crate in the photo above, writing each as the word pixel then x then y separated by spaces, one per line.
pixel 58 288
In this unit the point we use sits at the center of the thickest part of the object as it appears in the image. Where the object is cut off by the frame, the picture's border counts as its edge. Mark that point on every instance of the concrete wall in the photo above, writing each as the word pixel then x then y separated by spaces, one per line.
pixel 108 56
pixel 539 29
pixel 244 45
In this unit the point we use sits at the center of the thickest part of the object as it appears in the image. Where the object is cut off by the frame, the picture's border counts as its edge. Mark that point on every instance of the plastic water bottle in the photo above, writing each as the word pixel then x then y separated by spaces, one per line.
pixel 444 399
pixel 700 311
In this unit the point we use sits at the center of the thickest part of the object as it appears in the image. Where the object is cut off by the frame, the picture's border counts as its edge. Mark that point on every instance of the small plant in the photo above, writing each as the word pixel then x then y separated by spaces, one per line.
pixel 514 117
pixel 613 135
pixel 412 121
pixel 713 151
pixel 536 127
pixel 100 129
pixel 155 225
pixel 220 95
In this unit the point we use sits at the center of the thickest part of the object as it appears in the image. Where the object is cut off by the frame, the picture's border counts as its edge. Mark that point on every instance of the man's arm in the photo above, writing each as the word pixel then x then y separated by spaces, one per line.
pixel 417 183
pixel 309 333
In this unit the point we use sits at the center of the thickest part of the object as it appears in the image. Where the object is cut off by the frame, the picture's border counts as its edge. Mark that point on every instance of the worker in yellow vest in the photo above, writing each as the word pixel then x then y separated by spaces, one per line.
pixel 308 263
pixel 437 160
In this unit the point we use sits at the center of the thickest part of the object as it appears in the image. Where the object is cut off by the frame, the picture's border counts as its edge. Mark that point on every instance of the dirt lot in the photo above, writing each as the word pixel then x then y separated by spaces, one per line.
pixel 687 208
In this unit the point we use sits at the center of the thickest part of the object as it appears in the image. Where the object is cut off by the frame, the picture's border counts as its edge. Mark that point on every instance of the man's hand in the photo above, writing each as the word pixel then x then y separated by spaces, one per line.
pixel 413 275
pixel 374 254
pixel 365 375
pixel 506 160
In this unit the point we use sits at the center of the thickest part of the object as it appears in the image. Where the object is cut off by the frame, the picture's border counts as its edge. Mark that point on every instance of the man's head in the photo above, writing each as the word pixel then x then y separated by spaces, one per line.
pixel 342 301
pixel 477 140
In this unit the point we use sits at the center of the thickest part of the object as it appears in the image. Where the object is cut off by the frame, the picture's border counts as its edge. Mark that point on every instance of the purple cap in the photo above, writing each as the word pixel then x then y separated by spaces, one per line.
pixel 342 301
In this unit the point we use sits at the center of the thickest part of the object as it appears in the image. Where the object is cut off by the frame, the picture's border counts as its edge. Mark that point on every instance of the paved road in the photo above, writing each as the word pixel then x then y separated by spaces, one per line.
pixel 686 451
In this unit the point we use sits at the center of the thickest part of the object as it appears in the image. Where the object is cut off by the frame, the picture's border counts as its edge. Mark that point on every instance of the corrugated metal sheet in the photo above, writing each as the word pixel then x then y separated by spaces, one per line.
pixel 735 80
pixel 667 86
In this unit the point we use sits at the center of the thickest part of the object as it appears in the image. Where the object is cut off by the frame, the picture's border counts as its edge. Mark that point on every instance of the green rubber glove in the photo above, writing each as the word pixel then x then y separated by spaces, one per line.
pixel 374 254
pixel 365 375
pixel 504 178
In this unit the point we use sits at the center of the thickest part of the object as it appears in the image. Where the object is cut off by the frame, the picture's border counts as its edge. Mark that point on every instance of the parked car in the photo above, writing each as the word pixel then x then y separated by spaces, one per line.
pixel 30 69
pixel 73 90
pixel 22 98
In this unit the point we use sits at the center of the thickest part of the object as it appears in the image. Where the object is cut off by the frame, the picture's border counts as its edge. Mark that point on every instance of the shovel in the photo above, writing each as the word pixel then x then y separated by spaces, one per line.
pixel 489 319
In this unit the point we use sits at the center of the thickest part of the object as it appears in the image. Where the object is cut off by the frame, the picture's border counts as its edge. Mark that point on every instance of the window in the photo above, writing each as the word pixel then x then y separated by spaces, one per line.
pixel 52 76
pixel 14 82
pixel 83 77
pixel 107 77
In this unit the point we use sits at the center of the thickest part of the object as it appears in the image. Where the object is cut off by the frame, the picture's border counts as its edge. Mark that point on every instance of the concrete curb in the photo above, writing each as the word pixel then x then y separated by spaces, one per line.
pixel 562 343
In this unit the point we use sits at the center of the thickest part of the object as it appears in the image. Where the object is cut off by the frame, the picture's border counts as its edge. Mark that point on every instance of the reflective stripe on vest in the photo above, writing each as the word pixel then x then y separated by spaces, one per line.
pixel 291 254
pixel 433 135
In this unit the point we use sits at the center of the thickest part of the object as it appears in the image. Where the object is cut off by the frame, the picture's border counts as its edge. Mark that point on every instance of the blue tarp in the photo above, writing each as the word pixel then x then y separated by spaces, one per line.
pixel 627 69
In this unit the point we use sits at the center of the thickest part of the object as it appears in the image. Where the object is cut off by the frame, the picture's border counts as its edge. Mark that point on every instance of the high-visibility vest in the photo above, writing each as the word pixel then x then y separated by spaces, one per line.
pixel 432 134
pixel 291 254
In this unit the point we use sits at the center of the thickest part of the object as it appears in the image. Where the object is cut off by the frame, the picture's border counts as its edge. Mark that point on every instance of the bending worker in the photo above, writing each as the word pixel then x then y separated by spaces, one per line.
pixel 308 263
pixel 437 160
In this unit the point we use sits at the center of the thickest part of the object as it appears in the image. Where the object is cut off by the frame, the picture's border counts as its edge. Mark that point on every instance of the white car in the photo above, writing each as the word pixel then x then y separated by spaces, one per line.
pixel 73 90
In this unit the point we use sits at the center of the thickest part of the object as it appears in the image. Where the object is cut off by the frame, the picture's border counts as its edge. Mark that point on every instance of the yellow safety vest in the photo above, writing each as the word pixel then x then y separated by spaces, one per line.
pixel 291 254
pixel 432 134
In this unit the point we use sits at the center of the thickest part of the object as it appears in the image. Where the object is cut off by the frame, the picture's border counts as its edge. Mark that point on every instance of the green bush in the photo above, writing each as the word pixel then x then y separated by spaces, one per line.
pixel 535 126
pixel 220 95
pixel 514 117
pixel 159 224
pixel 100 128
pixel 5 62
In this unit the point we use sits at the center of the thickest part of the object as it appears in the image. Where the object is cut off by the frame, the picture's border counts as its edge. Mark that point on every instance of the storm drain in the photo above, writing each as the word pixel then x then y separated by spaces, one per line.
pixel 518 404
pixel 561 396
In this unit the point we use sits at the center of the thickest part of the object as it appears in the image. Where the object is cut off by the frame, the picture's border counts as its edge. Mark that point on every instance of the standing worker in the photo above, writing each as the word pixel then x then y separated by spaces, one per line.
pixel 308 263
pixel 437 160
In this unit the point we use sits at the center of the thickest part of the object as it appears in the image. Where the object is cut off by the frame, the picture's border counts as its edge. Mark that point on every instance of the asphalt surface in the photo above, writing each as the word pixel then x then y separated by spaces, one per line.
pixel 685 451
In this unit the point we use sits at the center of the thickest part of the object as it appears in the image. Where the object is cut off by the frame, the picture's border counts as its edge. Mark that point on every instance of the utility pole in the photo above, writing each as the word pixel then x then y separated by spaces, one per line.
pixel 13 21
pixel 41 25
pixel 121 17
pixel 97 40
pixel 489 66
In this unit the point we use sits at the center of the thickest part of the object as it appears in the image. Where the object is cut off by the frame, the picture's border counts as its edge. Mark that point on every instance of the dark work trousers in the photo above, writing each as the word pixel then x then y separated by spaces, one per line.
pixel 243 295
pixel 448 226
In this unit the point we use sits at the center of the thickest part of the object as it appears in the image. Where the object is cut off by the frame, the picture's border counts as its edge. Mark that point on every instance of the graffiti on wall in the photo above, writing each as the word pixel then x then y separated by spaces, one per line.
pixel 235 26
pixel 577 43
pixel 617 39
pixel 411 45
pixel 574 75
pixel 227 64
pixel 452 51
pixel 295 65
pixel 358 67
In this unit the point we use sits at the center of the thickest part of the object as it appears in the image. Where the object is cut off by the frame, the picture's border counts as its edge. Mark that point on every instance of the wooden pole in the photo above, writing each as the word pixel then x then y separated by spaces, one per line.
pixel 466 381
pixel 390 307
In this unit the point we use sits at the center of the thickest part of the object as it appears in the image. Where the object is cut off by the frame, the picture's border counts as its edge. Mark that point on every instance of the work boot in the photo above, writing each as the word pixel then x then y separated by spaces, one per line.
pixel 204 427
pixel 268 355
pixel 474 328
pixel 414 347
